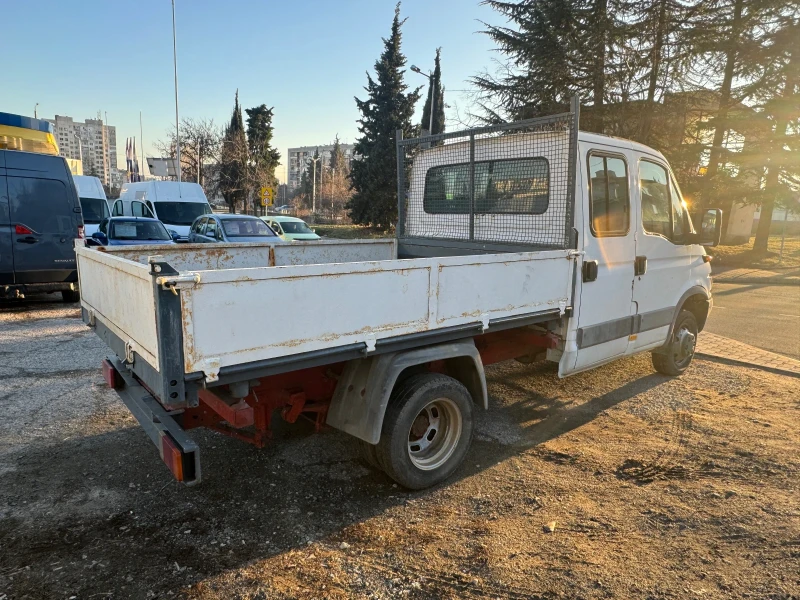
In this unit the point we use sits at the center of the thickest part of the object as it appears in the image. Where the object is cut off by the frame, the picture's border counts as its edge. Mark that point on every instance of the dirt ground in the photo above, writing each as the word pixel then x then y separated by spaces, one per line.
pixel 653 488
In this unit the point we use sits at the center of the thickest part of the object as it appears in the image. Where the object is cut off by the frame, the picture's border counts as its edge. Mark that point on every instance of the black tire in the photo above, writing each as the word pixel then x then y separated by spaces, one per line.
pixel 70 295
pixel 443 407
pixel 677 355
pixel 369 452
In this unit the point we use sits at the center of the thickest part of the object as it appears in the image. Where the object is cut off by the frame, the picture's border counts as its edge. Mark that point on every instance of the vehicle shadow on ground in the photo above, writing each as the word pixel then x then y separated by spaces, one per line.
pixel 108 498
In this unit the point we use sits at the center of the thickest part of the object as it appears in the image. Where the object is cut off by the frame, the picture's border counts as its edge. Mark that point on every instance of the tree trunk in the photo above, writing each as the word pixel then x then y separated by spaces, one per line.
pixel 772 182
pixel 599 71
pixel 655 60
pixel 721 126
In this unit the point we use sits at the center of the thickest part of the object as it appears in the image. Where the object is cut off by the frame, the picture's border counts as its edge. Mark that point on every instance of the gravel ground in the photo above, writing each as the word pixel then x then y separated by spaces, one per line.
pixel 613 483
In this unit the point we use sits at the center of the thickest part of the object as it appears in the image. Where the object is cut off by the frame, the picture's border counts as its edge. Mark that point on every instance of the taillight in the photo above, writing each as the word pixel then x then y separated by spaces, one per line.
pixel 22 230
pixel 81 233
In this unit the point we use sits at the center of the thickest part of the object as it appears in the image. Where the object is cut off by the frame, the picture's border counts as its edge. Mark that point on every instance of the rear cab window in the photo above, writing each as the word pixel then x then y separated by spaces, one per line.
pixel 508 186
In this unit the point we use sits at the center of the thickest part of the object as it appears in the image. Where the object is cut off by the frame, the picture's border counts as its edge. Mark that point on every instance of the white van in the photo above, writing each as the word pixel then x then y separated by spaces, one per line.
pixel 175 204
pixel 94 204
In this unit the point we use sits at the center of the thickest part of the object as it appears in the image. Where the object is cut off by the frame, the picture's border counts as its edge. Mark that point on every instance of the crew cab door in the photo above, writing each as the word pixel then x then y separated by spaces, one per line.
pixel 604 313
pixel 663 264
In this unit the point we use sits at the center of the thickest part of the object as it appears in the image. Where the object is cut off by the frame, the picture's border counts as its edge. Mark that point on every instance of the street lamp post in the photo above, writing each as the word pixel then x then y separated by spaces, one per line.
pixel 175 65
pixel 314 162
pixel 35 112
pixel 416 69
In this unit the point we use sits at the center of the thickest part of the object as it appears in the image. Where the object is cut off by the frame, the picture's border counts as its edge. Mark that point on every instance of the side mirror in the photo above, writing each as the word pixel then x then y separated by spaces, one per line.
pixel 175 235
pixel 708 226
pixel 100 237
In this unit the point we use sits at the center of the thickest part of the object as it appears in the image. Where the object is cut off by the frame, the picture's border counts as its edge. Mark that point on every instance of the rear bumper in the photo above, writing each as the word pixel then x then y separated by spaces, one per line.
pixel 13 290
pixel 178 451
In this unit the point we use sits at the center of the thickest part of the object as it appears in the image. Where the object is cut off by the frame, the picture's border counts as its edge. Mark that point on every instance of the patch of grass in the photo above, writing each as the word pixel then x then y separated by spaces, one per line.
pixel 744 256
pixel 350 232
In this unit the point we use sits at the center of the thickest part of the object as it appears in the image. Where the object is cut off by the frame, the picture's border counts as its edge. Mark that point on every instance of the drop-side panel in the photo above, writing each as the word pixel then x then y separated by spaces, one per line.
pixel 240 316
pixel 120 293
pixel 204 257
pixel 488 290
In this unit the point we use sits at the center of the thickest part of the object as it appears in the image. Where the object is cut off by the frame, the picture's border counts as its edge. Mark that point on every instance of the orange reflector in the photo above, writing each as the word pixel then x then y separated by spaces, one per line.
pixel 110 375
pixel 172 456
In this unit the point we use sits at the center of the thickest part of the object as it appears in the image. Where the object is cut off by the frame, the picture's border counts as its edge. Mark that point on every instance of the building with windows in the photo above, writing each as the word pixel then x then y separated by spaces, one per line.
pixel 299 159
pixel 97 148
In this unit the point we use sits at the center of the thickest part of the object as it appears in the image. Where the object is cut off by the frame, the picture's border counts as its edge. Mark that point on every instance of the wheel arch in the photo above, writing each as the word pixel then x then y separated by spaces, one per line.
pixel 697 300
pixel 365 386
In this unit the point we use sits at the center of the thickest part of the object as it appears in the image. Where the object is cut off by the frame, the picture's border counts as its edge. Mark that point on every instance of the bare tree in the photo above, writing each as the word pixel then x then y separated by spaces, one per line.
pixel 200 145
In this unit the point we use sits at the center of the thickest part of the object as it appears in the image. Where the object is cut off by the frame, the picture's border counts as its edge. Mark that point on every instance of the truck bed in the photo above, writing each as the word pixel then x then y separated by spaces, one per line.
pixel 243 304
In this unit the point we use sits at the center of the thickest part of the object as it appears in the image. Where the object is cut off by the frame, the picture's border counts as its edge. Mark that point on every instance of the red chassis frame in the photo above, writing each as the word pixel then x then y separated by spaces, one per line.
pixel 307 393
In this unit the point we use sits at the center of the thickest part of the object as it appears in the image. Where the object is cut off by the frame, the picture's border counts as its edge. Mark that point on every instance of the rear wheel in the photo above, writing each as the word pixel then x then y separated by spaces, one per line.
pixel 70 295
pixel 677 355
pixel 427 430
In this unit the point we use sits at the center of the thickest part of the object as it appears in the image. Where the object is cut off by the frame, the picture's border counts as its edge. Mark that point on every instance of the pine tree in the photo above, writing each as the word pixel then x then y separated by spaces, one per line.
pixel 232 185
pixel 779 92
pixel 388 107
pixel 438 113
pixel 311 179
pixel 537 77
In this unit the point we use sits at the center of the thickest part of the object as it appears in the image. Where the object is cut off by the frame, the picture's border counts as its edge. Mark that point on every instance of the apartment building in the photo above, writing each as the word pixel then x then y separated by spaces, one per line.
pixel 97 148
pixel 299 158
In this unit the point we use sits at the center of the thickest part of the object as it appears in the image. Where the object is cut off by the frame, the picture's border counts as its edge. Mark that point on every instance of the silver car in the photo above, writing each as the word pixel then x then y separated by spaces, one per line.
pixel 231 228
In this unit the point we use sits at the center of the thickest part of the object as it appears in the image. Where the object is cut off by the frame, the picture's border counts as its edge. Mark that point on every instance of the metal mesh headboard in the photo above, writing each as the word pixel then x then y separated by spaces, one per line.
pixel 511 184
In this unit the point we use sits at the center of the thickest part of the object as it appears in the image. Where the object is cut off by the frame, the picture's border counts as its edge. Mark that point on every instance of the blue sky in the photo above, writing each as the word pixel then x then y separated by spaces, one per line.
pixel 307 59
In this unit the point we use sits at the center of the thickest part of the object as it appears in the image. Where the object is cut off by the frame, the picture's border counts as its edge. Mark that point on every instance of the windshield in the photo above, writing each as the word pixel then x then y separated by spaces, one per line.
pixel 180 213
pixel 138 230
pixel 246 228
pixel 294 227
pixel 94 210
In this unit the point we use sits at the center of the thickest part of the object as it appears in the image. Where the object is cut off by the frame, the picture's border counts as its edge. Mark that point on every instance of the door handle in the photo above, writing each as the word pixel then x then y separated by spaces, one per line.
pixel 589 270
pixel 27 240
pixel 640 265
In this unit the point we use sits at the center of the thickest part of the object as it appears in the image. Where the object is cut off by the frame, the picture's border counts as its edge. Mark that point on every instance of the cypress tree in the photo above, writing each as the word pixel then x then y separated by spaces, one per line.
pixel 338 162
pixel 438 114
pixel 387 108
pixel 263 156
pixel 233 160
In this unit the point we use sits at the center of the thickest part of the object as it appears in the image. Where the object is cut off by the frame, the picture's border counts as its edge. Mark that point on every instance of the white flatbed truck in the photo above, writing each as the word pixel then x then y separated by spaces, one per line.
pixel 526 241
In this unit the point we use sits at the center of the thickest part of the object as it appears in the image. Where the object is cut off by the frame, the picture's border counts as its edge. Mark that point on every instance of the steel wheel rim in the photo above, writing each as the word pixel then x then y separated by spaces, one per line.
pixel 434 434
pixel 683 346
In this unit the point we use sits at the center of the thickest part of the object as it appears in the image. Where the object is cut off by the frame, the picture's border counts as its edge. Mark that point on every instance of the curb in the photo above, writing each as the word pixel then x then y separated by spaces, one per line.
pixel 741 363
pixel 757 280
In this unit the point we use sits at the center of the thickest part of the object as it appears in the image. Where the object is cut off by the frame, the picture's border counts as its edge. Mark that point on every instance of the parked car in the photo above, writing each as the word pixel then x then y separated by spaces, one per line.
pixel 231 228
pixel 290 228
pixel 93 202
pixel 132 231
pixel 40 217
pixel 175 204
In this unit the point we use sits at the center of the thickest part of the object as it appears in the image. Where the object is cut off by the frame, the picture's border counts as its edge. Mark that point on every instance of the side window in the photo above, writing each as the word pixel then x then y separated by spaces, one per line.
pixel 201 226
pixel 103 226
pixel 662 211
pixel 117 210
pixel 138 209
pixel 41 204
pixel 609 204
pixel 514 186
pixel 211 228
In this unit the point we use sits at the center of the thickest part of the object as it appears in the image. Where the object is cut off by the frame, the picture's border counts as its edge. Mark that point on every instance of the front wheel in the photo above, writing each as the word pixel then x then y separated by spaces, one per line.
pixel 677 355
pixel 427 430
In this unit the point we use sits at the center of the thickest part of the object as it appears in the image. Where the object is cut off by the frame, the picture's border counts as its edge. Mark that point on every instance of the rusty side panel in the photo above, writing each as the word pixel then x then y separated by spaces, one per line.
pixel 120 293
